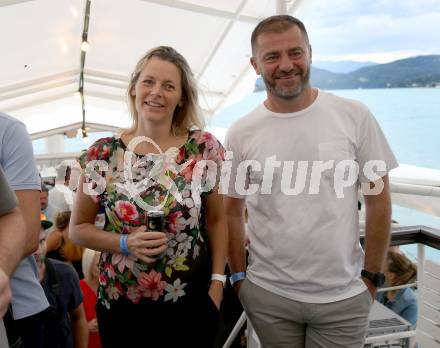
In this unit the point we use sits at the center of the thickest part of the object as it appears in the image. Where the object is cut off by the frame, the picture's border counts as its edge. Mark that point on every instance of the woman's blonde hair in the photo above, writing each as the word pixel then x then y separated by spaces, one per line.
pixel 62 220
pixel 404 269
pixel 70 251
pixel 87 261
pixel 186 116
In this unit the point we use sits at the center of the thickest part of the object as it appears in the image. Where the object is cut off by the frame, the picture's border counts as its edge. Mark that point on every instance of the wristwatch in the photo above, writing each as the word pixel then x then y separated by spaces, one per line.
pixel 377 278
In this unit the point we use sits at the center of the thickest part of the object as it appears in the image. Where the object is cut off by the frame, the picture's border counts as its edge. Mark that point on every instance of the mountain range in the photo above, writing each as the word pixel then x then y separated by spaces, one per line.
pixel 341 66
pixel 421 71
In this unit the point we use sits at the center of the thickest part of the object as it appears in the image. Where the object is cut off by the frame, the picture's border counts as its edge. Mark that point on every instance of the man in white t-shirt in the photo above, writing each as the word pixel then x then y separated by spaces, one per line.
pixel 297 163
pixel 61 196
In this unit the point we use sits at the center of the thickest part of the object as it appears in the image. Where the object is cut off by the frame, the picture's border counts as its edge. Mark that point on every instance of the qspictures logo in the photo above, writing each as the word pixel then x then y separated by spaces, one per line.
pixel 139 174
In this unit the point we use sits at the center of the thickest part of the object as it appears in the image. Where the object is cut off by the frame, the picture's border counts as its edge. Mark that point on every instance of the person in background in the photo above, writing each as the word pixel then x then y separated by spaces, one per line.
pixel 89 287
pixel 308 283
pixel 163 287
pixel 12 243
pixel 60 247
pixel 28 298
pixel 46 210
pixel 65 322
pixel 61 196
pixel 399 270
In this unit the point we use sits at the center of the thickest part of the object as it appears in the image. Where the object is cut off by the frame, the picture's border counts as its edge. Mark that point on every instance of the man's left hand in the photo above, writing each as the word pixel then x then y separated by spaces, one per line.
pixel 371 288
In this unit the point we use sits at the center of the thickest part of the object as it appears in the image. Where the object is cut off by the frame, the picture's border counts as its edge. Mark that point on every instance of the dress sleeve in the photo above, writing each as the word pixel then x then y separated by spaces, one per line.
pixel 95 164
pixel 234 171
pixel 213 153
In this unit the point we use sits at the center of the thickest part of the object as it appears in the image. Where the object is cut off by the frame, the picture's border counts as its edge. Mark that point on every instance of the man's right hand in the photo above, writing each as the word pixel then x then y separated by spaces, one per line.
pixel 5 293
pixel 145 244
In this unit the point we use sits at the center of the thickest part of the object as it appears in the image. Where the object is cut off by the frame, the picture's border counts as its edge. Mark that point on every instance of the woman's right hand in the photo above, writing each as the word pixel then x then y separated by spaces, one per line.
pixel 146 244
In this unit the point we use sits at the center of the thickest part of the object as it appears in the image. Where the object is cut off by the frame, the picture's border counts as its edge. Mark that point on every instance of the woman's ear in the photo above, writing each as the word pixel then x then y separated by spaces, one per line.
pixel 180 104
pixel 133 92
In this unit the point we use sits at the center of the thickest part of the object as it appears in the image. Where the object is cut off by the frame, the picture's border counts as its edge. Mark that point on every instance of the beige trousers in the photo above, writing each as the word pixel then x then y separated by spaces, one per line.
pixel 284 323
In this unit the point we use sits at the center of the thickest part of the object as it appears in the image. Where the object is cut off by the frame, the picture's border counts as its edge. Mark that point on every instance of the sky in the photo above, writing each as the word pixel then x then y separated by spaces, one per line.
pixel 376 30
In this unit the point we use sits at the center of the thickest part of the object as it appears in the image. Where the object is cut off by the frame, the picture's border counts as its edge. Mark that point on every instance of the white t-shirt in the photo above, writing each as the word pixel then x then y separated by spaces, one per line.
pixel 60 200
pixel 303 228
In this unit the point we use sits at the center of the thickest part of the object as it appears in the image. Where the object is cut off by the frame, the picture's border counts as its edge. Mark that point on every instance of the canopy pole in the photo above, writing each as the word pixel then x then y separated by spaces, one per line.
pixel 281 8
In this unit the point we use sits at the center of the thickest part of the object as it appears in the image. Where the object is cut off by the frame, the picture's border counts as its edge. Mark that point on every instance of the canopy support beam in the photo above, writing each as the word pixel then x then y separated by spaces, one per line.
pixel 222 38
pixel 204 10
pixel 281 7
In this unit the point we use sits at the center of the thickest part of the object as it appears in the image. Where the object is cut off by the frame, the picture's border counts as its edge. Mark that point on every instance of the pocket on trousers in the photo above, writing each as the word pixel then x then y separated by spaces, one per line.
pixel 370 298
pixel 240 292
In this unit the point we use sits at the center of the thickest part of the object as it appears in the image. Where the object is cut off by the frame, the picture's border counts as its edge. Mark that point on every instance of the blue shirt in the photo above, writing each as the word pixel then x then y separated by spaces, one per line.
pixel 404 304
pixel 70 294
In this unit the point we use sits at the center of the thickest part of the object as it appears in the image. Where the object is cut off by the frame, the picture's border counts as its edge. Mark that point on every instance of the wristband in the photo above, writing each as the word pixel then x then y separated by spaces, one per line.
pixel 219 277
pixel 123 244
pixel 235 277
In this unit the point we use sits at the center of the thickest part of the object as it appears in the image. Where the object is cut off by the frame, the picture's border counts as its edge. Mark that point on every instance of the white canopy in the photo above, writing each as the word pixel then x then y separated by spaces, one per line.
pixel 41 53
pixel 41 64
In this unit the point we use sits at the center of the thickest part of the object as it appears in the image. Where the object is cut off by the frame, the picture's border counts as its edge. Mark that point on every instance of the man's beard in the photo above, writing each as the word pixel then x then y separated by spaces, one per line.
pixel 288 94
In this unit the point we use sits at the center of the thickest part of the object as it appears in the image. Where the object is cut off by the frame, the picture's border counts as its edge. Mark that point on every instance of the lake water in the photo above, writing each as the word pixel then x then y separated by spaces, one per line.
pixel 410 119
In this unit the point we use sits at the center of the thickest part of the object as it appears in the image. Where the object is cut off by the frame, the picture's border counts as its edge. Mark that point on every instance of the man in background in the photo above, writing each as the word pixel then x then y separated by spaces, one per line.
pixel 17 160
pixel 61 196
pixel 65 323
pixel 44 202
pixel 12 241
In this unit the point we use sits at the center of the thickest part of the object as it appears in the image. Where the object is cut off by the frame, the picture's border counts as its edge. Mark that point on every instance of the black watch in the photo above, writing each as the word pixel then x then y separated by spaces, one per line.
pixel 377 278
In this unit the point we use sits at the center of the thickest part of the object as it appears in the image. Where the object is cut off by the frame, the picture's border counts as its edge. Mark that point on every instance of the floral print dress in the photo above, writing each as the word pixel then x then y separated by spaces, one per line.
pixel 126 186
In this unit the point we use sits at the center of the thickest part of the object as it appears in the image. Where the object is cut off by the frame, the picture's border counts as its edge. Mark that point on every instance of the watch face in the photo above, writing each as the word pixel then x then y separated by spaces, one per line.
pixel 377 278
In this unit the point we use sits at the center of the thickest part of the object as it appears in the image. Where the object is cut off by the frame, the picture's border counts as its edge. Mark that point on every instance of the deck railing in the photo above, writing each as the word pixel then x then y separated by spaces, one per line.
pixel 427 334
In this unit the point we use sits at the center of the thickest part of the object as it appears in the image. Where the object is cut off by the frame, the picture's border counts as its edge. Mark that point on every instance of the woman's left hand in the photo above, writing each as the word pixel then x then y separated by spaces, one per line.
pixel 216 292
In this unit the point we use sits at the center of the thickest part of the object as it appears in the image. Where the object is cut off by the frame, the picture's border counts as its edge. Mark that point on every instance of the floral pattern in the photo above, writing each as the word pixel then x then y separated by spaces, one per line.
pixel 125 185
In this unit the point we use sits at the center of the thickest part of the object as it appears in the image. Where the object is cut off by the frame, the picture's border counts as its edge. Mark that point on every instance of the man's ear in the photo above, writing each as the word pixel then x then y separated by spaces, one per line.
pixel 255 65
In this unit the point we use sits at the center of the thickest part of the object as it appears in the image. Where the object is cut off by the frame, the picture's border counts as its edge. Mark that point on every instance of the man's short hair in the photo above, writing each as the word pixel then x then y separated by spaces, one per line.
pixel 277 24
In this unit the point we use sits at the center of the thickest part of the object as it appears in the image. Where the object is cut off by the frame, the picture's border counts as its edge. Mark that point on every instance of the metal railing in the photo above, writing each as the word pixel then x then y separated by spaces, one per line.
pixel 401 235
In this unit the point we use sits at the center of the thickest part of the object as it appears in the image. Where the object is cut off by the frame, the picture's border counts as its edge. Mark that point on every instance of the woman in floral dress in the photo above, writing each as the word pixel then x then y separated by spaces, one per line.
pixel 156 287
